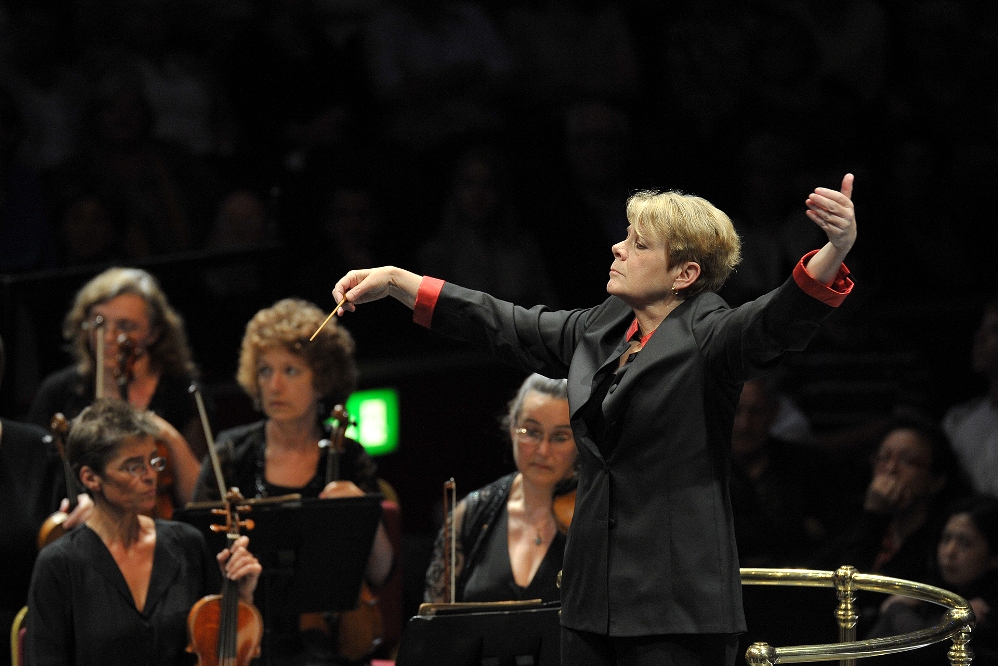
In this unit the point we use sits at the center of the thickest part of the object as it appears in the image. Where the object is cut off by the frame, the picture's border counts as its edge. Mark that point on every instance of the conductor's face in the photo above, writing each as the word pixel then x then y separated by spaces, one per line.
pixel 640 273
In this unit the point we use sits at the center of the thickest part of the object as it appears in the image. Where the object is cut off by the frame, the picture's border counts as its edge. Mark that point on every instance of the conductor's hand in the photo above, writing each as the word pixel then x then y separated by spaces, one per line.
pixel 341 489
pixel 241 566
pixel 832 210
pixel 371 284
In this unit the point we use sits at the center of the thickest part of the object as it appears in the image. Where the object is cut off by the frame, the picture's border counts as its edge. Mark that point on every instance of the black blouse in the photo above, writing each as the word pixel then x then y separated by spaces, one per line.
pixel 81 612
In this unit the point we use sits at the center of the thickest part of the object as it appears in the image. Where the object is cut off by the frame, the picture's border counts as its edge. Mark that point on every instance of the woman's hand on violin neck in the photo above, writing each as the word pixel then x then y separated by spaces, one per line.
pixel 371 284
pixel 79 515
pixel 240 565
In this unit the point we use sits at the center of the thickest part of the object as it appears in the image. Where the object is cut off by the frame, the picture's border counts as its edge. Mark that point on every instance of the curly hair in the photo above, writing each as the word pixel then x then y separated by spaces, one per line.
pixel 693 230
pixel 289 324
pixel 169 353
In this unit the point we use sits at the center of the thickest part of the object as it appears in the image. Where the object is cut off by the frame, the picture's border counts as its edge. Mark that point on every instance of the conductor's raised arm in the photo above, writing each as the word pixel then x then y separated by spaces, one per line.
pixel 832 210
pixel 371 284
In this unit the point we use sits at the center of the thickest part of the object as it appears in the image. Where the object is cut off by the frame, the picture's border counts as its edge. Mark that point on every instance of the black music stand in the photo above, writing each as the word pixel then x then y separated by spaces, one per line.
pixel 525 636
pixel 313 551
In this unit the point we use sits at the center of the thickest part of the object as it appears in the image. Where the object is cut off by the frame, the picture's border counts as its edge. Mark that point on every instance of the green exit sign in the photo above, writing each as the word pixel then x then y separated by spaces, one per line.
pixel 376 412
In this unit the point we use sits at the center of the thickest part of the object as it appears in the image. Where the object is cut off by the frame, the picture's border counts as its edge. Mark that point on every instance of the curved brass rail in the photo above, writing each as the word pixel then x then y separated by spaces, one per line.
pixel 956 624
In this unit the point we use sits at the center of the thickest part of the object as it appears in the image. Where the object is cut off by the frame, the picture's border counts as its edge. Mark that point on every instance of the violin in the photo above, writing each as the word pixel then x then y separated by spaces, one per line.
pixel 224 629
pixel 124 372
pixel 361 630
pixel 53 527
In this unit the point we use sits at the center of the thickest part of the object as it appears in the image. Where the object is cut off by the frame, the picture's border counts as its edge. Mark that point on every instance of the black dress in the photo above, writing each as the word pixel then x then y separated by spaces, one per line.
pixel 81 612
pixel 483 570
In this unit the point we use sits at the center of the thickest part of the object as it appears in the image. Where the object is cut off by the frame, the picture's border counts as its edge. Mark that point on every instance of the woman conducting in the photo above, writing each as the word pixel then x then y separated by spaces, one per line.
pixel 119 589
pixel 654 372
pixel 509 544
pixel 295 383
pixel 146 362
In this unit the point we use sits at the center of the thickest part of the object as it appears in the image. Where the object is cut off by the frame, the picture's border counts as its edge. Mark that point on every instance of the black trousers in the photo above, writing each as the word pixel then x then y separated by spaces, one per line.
pixel 581 648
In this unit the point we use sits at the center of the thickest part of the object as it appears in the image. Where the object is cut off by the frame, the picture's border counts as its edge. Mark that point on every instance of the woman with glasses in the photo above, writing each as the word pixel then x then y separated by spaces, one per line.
pixel 509 545
pixel 118 589
pixel 146 361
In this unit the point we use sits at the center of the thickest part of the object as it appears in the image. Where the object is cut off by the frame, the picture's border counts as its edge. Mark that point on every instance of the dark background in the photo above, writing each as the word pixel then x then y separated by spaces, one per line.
pixel 156 113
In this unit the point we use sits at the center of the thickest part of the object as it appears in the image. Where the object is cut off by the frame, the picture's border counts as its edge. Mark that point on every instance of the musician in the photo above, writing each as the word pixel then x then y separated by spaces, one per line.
pixel 654 372
pixel 118 591
pixel 295 383
pixel 145 355
pixel 31 488
pixel 509 545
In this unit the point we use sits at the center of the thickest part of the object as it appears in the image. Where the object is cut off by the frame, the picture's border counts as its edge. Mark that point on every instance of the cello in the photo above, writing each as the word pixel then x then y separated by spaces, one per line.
pixel 360 631
pixel 224 629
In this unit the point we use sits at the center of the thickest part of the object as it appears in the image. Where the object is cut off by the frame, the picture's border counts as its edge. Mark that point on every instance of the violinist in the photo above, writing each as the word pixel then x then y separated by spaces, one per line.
pixel 295 383
pixel 118 591
pixel 509 545
pixel 31 488
pixel 146 361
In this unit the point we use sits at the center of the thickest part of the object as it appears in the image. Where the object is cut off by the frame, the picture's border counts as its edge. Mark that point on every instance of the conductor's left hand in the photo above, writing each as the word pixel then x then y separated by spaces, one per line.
pixel 241 566
pixel 833 211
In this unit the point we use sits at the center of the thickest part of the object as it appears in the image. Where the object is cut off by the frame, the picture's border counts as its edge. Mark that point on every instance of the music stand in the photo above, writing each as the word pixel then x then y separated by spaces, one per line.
pixel 501 634
pixel 313 551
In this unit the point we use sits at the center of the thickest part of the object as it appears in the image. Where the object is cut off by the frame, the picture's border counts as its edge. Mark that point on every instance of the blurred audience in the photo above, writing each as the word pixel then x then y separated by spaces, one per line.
pixel 966 562
pixel 777 487
pixel 973 426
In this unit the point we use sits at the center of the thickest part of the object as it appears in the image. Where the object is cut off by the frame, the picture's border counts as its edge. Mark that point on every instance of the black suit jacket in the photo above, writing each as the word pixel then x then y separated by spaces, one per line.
pixel 651 549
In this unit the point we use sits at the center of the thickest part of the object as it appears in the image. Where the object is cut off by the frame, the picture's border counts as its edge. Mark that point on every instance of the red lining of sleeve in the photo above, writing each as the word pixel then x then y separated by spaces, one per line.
pixel 426 300
pixel 833 294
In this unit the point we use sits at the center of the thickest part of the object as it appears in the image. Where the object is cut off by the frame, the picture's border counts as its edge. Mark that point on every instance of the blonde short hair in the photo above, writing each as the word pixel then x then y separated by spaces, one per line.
pixel 289 324
pixel 693 230
pixel 169 353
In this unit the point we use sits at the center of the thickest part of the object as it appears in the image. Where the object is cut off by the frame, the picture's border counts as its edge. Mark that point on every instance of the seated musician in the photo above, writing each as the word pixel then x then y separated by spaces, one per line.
pixel 295 383
pixel 31 488
pixel 118 591
pixel 146 362
pixel 509 544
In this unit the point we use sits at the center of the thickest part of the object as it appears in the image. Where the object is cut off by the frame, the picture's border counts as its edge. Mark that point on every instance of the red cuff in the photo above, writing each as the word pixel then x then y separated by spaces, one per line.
pixel 426 300
pixel 832 294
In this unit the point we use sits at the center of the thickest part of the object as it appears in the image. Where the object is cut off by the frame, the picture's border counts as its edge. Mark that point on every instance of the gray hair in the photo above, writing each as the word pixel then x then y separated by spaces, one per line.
pixel 556 388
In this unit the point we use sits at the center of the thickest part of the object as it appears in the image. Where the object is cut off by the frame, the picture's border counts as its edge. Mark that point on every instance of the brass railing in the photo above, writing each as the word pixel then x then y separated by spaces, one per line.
pixel 956 623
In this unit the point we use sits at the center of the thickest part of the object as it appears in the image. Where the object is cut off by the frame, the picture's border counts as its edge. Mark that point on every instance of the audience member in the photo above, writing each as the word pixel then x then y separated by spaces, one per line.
pixel 966 562
pixel 482 241
pixel 777 487
pixel 436 68
pixel 973 426
pixel 915 475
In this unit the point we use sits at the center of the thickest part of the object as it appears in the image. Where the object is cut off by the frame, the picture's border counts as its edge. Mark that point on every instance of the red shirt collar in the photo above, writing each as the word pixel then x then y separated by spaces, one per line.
pixel 632 331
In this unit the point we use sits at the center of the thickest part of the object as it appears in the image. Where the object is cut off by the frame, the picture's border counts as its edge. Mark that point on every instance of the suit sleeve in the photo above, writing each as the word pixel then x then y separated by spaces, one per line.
pixel 748 341
pixel 534 340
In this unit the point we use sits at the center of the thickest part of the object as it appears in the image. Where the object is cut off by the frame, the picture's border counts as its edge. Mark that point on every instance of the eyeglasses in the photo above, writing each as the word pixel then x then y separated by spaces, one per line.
pixel 138 467
pixel 120 325
pixel 536 435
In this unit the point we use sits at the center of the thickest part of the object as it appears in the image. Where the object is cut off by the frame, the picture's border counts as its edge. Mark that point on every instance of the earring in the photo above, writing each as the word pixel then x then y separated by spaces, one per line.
pixel 675 292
